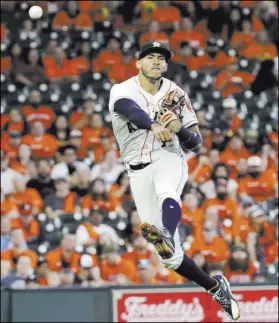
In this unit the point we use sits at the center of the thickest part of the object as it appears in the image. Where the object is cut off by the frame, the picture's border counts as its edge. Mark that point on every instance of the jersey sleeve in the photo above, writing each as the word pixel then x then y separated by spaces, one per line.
pixel 189 117
pixel 118 92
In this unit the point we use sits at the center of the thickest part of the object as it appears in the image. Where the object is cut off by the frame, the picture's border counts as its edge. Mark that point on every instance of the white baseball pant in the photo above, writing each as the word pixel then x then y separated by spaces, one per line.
pixel 164 178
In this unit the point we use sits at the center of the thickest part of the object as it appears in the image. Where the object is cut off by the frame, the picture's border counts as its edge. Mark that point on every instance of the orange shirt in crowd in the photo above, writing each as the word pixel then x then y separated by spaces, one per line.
pixel 190 62
pixel 8 206
pixel 81 63
pixel 203 174
pixel 231 158
pixel 87 203
pixel 170 277
pixel 227 209
pixel 55 259
pixel 105 61
pixel 11 126
pixel 3 33
pixel 112 193
pixel 227 82
pixel 123 72
pixel 214 252
pixel 195 38
pixel 271 253
pixel 240 276
pixel 6 64
pixel 18 167
pixel 43 113
pixel 126 268
pixel 28 202
pixel 53 70
pixel 43 147
pixel 32 231
pixel 160 36
pixel 166 15
pixel 9 149
pixel 192 217
pixel 135 255
pixel 259 188
pixel 241 40
pixel 62 20
pixel 256 50
pixel 91 137
pixel 100 150
pixel 12 255
pixel 88 6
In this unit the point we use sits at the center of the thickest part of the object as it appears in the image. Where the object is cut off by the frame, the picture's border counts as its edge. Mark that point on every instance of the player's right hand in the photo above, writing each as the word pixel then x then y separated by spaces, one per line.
pixel 161 133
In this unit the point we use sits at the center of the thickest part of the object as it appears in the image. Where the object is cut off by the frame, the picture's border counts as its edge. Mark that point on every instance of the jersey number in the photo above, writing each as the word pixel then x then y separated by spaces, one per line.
pixel 131 127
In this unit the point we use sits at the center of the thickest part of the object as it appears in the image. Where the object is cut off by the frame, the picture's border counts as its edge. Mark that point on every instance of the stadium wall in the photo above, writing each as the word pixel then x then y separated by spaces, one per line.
pixel 259 303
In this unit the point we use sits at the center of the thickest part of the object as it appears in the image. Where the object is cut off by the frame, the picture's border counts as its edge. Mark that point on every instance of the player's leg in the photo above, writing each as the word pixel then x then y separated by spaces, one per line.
pixel 168 187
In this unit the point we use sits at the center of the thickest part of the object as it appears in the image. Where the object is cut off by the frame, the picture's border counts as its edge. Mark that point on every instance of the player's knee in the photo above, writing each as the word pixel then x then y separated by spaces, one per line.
pixel 167 194
pixel 175 261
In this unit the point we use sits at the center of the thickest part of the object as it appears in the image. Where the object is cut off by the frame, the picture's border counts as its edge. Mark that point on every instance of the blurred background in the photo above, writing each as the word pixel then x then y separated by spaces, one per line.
pixel 67 215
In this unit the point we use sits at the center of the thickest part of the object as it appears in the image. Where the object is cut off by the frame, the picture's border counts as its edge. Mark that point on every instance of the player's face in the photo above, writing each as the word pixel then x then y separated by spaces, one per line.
pixel 152 66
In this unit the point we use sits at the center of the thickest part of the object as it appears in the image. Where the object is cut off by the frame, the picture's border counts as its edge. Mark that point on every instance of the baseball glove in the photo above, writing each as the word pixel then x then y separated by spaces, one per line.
pixel 171 107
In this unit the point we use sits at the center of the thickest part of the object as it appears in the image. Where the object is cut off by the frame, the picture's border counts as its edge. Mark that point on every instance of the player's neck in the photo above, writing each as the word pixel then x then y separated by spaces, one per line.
pixel 148 86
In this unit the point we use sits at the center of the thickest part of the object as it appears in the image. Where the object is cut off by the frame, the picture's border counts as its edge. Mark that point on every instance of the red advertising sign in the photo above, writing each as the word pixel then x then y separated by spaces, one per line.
pixel 177 304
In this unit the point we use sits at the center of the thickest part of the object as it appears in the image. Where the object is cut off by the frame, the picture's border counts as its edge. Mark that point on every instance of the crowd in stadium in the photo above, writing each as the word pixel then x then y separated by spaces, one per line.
pixel 67 212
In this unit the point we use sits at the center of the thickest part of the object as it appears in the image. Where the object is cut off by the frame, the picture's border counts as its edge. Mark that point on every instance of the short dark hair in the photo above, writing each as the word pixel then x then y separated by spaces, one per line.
pixel 72 147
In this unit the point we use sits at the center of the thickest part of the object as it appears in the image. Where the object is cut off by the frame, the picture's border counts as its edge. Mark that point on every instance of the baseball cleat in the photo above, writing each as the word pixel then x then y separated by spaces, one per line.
pixel 224 297
pixel 161 239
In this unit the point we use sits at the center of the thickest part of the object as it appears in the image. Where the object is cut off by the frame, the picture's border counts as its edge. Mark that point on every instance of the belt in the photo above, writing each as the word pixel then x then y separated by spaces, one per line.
pixel 139 166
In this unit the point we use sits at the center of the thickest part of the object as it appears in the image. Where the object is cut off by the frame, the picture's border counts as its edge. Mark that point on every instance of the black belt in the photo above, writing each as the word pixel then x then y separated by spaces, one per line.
pixel 139 166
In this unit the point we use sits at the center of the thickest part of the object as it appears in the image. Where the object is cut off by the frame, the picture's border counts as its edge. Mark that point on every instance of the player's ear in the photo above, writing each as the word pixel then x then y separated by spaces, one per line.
pixel 138 64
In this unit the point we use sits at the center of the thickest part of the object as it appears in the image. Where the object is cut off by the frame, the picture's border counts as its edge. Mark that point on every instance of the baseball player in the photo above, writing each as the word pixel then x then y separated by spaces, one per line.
pixel 153 123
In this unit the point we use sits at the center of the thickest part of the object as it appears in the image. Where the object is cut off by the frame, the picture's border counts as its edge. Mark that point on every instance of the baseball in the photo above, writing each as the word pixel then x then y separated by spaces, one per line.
pixel 35 12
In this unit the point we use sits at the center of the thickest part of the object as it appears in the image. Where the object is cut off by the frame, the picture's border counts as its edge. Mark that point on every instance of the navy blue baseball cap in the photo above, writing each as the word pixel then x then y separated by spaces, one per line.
pixel 155 47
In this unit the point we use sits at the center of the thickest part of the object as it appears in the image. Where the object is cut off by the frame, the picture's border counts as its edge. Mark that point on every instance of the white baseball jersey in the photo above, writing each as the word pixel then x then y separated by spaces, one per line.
pixel 138 146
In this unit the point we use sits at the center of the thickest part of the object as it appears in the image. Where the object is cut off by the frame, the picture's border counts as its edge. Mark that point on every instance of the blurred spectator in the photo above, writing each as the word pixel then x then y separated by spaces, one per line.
pixel 29 70
pixel 5 233
pixel 69 166
pixel 23 164
pixel 81 119
pixel 257 184
pixel 27 200
pixel 253 142
pixel 81 182
pixel 211 247
pixel 222 171
pixel 126 69
pixel 8 207
pixel 121 190
pixel 63 200
pixel 230 81
pixel 97 197
pixel 188 34
pixel 108 170
pixel 227 209
pixel 11 146
pixel 108 57
pixel 59 69
pixel 230 114
pixel 65 257
pixel 88 233
pixel 29 225
pixel 114 269
pixel 15 121
pixel 184 57
pixel 153 32
pixel 72 18
pixel 168 15
pixel 220 135
pixel 75 139
pixel 60 129
pixel 83 59
pixel 42 144
pixel 43 183
pixel 89 274
pixel 242 39
pixel 146 272
pixel 240 269
pixel 8 175
pixel 141 251
pixel 18 248
pixel 34 110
